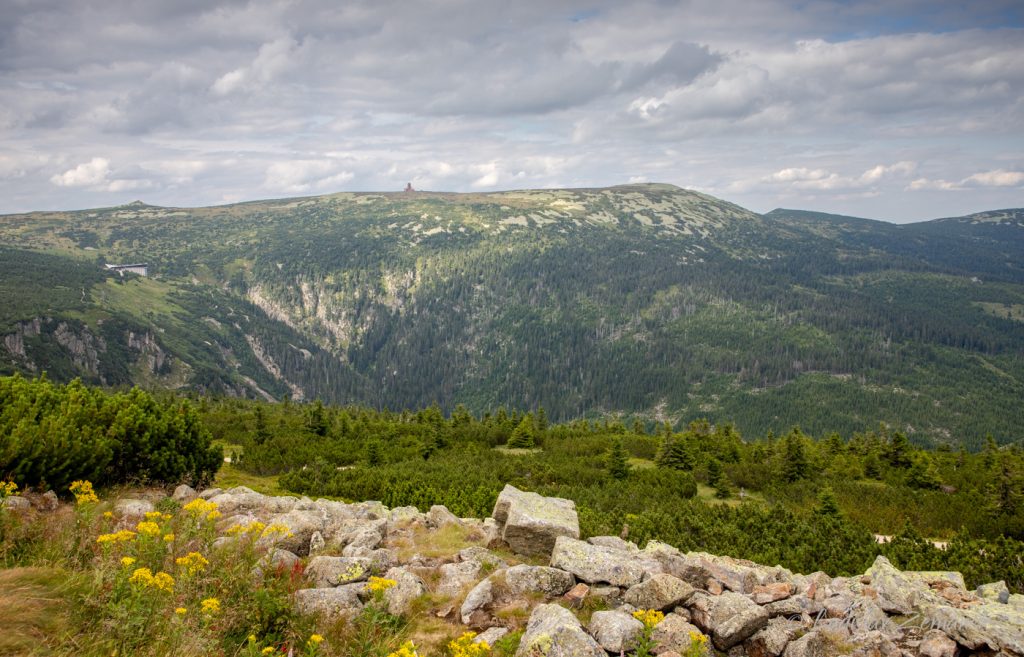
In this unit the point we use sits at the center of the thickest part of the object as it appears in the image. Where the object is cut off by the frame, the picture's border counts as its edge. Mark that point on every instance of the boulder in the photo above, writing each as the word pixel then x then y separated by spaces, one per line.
pixel 491 635
pixel 523 579
pixel 897 593
pixel 48 501
pixel 729 618
pixel 17 503
pixel 483 556
pixel 479 597
pixel 661 592
pixel 301 526
pixel 873 644
pixel 184 494
pixel 773 639
pixel 340 602
pixel 765 593
pixel 505 584
pixel 530 523
pixel 326 572
pixel 365 534
pixel 553 631
pixel 990 625
pixel 238 500
pixel 812 644
pixel 133 508
pixel 576 595
pixel 674 633
pixel 936 644
pixel 616 631
pixel 407 588
pixel 210 493
pixel 454 577
pixel 865 615
pixel 401 515
pixel 275 560
pixel 932 577
pixel 595 564
pixel 316 543
pixel 994 592
pixel 613 542
pixel 439 516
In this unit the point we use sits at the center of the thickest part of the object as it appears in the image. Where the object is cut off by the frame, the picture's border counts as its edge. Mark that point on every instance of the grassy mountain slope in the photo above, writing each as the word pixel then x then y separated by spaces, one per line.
pixel 645 299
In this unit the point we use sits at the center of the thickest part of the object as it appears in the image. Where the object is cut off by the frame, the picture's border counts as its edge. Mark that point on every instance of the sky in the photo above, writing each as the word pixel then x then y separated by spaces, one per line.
pixel 901 110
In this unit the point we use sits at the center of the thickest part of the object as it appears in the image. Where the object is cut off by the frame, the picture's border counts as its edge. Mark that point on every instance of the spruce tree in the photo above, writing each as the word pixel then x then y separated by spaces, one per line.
pixel 714 472
pixel 872 467
pixel 794 465
pixel 373 453
pixel 676 455
pixel 522 436
pixel 615 460
pixel 828 505
pixel 262 433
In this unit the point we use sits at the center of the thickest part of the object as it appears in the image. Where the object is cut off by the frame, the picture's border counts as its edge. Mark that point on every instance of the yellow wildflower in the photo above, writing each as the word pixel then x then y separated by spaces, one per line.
pixel 181 611
pixel 168 538
pixel 464 646
pixel 148 528
pixel 210 606
pixel 166 516
pixel 83 492
pixel 408 649
pixel 108 514
pixel 200 507
pixel 316 639
pixel 142 577
pixel 255 527
pixel 193 562
pixel 122 536
pixel 163 582
pixel 269 650
pixel 153 515
pixel 7 489
pixel 213 515
pixel 127 561
pixel 377 584
pixel 252 638
pixel 649 617
pixel 277 528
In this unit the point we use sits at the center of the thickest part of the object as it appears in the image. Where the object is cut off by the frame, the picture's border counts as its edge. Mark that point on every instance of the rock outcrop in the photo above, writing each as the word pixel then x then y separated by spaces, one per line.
pixel 743 608
pixel 530 523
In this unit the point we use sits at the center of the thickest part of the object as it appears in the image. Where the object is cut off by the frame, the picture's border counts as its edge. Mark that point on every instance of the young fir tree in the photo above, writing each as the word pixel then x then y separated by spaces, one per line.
pixel 373 453
pixel 794 465
pixel 542 420
pixel 922 474
pixel 676 455
pixel 714 472
pixel 262 433
pixel 872 466
pixel 522 437
pixel 828 505
pixel 316 420
pixel 615 460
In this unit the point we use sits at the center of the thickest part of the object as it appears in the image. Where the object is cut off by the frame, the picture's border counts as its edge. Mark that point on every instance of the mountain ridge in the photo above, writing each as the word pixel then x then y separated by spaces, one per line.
pixel 641 299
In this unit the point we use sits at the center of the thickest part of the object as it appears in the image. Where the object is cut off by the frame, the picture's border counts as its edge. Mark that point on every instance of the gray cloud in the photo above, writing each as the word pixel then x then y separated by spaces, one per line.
pixel 898 109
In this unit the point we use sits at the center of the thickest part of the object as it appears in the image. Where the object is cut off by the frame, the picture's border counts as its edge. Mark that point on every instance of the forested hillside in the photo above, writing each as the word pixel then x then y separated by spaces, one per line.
pixel 645 300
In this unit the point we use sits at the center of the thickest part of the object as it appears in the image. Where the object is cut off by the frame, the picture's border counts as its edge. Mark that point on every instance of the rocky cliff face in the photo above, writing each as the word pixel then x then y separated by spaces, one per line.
pixel 739 607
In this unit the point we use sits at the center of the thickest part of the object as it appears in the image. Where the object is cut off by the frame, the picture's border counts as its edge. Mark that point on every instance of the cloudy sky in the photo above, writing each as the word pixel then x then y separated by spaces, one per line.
pixel 892 109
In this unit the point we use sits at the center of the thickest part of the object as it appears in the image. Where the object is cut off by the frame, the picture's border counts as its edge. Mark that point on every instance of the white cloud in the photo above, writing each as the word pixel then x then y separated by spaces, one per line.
pixel 296 176
pixel 765 103
pixel 998 178
pixel 88 174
